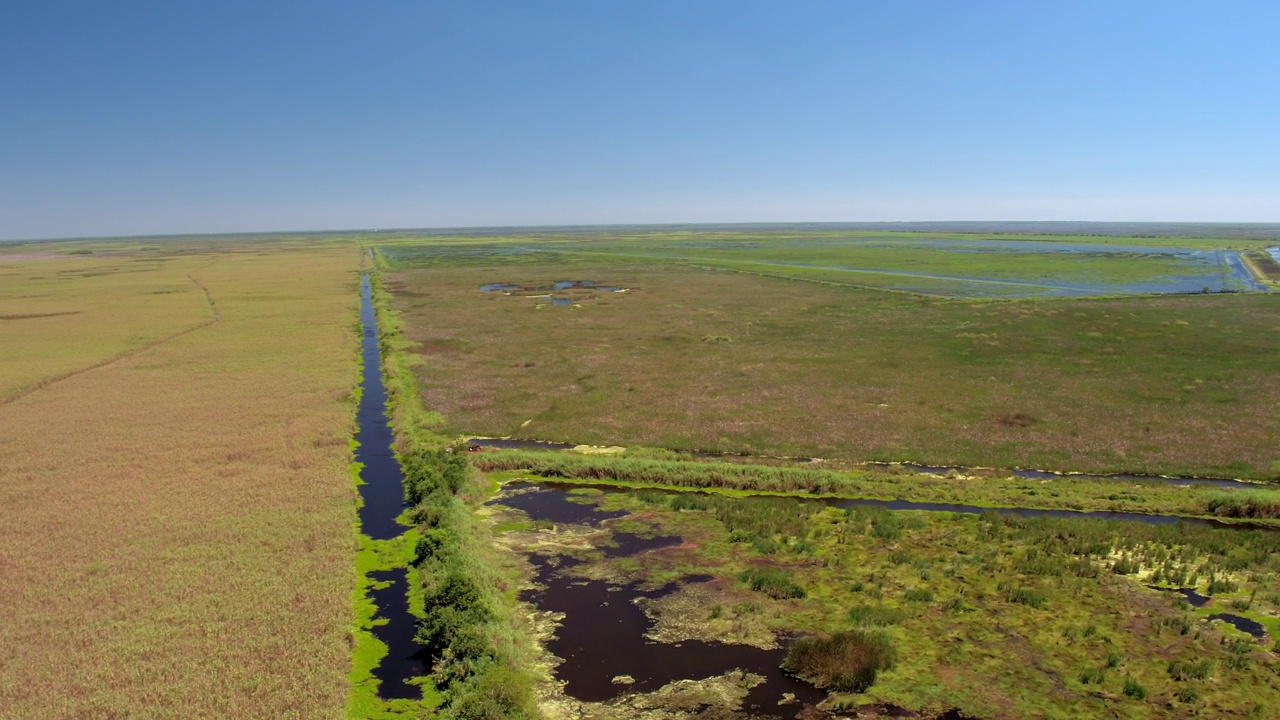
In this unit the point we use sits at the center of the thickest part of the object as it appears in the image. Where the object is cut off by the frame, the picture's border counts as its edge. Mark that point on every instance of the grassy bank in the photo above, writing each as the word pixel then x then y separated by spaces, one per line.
pixel 460 591
pixel 1078 494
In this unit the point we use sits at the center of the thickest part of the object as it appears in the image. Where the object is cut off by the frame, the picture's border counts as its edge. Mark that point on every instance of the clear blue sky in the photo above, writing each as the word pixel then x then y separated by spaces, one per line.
pixel 157 117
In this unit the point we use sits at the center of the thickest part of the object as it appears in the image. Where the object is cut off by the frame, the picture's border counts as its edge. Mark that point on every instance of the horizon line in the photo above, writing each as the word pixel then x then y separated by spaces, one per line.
pixel 940 225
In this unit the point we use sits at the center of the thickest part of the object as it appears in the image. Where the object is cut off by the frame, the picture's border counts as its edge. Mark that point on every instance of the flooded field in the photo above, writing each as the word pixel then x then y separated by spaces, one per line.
pixel 562 292
pixel 957 266
pixel 603 642
pixel 1076 268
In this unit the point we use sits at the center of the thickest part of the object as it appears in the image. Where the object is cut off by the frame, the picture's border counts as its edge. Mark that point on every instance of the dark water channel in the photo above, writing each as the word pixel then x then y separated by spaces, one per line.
pixel 602 635
pixel 1244 624
pixel 1192 597
pixel 382 491
pixel 383 500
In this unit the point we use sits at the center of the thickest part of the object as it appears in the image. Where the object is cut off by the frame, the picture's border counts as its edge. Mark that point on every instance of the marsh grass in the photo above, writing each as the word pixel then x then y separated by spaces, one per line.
pixel 875 615
pixel 642 470
pixel 178 534
pixel 1174 385
pixel 774 582
pixel 980 644
pixel 1252 504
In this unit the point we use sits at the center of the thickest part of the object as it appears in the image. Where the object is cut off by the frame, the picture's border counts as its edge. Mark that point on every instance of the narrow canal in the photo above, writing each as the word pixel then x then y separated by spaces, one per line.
pixel 383 500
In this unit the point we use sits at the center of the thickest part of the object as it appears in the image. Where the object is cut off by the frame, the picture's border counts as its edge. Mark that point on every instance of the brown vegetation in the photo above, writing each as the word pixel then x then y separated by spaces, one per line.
pixel 178 530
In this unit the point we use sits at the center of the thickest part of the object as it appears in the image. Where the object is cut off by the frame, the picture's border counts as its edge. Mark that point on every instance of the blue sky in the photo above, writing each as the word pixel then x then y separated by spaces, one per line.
pixel 164 117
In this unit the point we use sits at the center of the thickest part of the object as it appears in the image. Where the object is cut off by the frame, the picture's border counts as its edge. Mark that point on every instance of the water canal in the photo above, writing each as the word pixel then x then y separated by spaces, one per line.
pixel 382 496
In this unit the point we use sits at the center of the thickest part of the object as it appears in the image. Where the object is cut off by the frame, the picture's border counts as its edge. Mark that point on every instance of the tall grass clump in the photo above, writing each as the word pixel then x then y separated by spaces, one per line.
pixel 843 662
pixel 1251 504
pixel 774 582
pixel 875 615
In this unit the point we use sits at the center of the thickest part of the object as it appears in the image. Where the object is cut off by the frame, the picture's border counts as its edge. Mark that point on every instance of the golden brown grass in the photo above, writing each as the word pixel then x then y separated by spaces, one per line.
pixel 92 309
pixel 177 534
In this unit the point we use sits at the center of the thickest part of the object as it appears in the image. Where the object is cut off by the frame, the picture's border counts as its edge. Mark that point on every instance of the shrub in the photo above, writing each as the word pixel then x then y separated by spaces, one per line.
pixel 452 608
pixel 1134 690
pixel 901 557
pixel 497 694
pixel 429 546
pixel 1218 586
pixel 774 582
pixel 1187 694
pixel 844 662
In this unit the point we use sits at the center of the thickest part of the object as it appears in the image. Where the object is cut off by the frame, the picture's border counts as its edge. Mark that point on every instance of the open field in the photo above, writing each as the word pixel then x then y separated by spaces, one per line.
pixel 92 309
pixel 692 356
pixel 178 533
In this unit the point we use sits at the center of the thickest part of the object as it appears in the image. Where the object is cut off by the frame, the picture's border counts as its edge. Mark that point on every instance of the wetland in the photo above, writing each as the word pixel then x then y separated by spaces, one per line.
pixel 646 597
pixel 793 474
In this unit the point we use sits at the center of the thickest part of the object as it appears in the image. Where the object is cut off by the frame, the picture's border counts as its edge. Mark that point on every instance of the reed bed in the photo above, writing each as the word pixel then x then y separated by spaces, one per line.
pixel 179 524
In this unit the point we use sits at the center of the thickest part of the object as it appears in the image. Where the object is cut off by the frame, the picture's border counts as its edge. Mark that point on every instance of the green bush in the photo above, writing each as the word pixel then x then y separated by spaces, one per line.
pixel 498 693
pixel 1134 690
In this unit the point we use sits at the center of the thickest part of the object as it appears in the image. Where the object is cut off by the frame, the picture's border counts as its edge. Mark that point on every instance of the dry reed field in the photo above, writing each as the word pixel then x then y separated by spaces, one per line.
pixel 92 308
pixel 736 362
pixel 178 526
